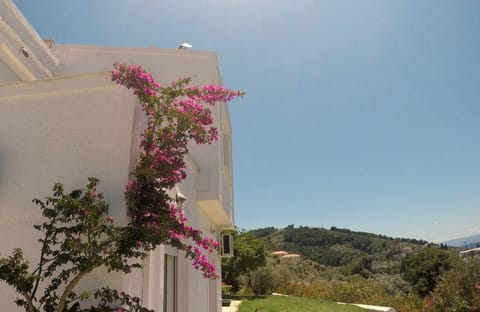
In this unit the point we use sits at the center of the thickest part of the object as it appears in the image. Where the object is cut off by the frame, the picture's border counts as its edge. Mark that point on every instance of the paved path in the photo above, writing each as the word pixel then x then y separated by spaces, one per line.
pixel 233 306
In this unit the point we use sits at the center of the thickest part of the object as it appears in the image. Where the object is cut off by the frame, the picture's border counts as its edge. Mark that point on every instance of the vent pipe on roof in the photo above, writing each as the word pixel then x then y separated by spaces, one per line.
pixel 185 46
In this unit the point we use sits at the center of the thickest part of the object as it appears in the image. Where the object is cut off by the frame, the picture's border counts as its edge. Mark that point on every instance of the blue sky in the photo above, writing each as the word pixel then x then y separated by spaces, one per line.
pixel 358 114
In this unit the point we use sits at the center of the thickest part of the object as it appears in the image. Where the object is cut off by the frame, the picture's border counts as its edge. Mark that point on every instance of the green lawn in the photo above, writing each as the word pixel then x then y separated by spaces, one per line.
pixel 292 304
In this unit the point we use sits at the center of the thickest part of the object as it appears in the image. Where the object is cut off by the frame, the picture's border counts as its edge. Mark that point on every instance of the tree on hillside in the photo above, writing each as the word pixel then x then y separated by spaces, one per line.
pixel 423 268
pixel 249 254
pixel 359 265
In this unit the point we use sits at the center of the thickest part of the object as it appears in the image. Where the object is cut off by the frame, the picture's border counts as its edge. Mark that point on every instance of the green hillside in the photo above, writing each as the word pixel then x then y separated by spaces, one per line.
pixel 339 247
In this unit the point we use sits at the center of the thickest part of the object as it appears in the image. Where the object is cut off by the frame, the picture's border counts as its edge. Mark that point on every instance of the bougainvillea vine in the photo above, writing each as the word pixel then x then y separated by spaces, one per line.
pixel 177 114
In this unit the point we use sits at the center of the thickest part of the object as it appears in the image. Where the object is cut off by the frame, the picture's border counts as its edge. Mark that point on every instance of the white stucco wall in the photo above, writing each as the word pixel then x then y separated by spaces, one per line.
pixel 69 128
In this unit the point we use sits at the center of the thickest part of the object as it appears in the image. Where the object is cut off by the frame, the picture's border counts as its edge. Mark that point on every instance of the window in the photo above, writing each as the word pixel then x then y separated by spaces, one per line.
pixel 170 283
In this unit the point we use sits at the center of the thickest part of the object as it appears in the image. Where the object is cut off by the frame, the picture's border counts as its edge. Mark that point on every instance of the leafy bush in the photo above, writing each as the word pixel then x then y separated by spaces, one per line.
pixel 423 268
pixel 455 290
pixel 267 279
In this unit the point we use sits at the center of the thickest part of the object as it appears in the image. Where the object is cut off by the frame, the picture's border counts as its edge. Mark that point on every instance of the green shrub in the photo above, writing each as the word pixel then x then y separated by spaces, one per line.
pixel 456 291
pixel 423 268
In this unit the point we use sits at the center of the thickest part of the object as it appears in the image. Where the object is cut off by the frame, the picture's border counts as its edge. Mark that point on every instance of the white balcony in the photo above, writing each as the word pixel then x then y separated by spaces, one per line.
pixel 215 178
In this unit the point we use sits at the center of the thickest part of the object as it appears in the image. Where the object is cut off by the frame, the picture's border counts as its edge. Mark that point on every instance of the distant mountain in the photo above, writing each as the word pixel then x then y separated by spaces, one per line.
pixel 468 242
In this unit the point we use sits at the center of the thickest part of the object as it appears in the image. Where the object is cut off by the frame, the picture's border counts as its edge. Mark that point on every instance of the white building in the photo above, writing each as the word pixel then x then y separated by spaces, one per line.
pixel 468 255
pixel 63 120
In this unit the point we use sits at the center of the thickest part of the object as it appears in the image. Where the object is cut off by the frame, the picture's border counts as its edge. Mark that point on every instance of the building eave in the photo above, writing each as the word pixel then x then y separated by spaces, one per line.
pixel 22 45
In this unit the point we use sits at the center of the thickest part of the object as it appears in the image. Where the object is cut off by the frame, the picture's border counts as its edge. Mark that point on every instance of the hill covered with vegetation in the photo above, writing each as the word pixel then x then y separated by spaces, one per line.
pixel 337 264
pixel 338 247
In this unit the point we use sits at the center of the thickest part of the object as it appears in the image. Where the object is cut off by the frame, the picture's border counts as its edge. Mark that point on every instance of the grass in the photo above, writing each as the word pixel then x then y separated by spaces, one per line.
pixel 292 304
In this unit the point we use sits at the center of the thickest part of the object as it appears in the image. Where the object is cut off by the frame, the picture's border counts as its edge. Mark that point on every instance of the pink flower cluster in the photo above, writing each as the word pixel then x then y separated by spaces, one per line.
pixel 175 115
pixel 134 77
pixel 200 262
pixel 168 158
pixel 177 214
pixel 213 94
pixel 208 244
